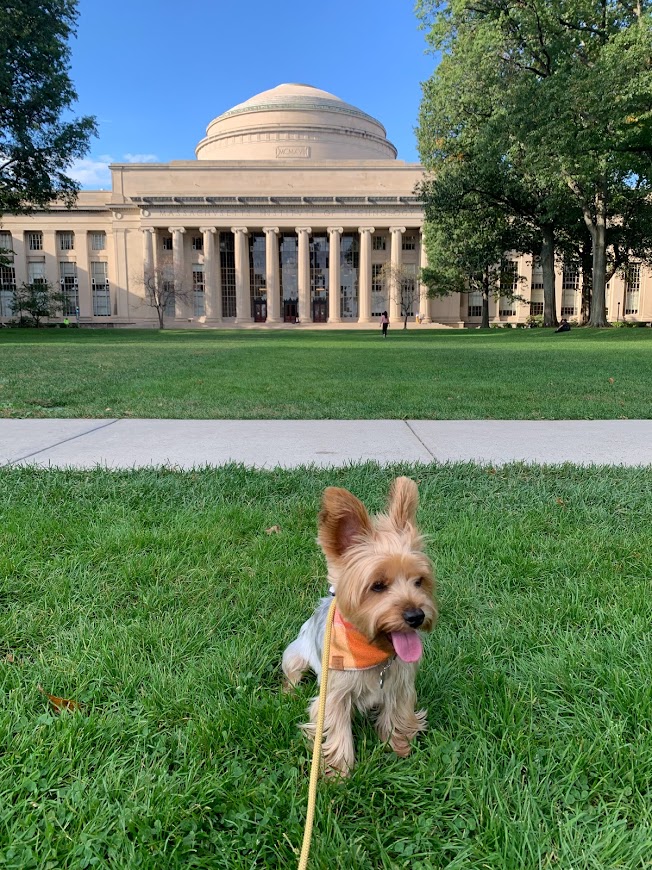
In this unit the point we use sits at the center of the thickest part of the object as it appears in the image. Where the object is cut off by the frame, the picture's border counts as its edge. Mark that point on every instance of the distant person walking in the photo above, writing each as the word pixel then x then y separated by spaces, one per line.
pixel 384 322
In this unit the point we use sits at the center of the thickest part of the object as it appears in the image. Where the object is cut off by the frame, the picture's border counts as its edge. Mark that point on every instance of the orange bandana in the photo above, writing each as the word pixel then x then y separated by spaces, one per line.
pixel 350 650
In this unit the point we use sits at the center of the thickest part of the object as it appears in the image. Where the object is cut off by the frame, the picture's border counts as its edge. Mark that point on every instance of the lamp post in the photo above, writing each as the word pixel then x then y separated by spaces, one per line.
pixel 618 317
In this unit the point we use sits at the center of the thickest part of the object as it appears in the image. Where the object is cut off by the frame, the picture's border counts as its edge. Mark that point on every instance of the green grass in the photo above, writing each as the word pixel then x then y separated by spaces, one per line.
pixel 158 600
pixel 427 374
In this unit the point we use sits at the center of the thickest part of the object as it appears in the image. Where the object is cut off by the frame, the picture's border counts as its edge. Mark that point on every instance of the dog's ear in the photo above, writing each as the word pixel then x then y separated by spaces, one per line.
pixel 343 521
pixel 403 502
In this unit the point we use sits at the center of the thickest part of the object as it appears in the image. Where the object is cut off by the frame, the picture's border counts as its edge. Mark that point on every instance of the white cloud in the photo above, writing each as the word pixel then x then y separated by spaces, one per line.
pixel 92 172
pixel 140 158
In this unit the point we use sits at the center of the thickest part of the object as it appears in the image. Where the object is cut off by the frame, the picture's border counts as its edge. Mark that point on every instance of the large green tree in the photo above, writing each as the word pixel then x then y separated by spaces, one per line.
pixel 568 91
pixel 38 142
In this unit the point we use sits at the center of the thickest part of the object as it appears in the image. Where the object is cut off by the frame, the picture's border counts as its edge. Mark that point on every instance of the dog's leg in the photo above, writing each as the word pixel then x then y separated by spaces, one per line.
pixel 337 748
pixel 294 664
pixel 397 721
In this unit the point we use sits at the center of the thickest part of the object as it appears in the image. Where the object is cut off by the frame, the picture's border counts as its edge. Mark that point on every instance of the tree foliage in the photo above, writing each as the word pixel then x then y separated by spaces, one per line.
pixel 37 142
pixel 36 301
pixel 544 108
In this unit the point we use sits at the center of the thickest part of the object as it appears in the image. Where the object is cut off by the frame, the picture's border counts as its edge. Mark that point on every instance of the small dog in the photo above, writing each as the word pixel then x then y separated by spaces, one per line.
pixel 384 587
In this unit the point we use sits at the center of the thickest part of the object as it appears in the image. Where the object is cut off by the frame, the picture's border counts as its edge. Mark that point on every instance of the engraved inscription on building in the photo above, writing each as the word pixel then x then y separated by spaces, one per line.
pixel 293 150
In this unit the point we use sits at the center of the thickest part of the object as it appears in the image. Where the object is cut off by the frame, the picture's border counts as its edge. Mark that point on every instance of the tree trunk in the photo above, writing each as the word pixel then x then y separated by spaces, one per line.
pixel 586 259
pixel 598 230
pixel 484 323
pixel 548 268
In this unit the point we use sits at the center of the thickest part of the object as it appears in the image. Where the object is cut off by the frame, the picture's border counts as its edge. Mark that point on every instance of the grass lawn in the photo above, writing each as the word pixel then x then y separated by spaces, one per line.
pixel 158 600
pixel 416 374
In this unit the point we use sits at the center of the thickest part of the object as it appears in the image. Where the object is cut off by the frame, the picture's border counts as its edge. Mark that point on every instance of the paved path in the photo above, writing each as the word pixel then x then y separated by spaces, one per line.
pixel 288 443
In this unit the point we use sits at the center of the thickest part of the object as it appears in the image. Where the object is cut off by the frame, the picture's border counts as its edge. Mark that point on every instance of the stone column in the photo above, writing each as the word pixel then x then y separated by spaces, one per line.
pixel 303 274
pixel 85 301
pixel 364 282
pixel 212 289
pixel 424 301
pixel 334 247
pixel 271 275
pixel 395 259
pixel 51 257
pixel 242 292
pixel 149 234
pixel 180 306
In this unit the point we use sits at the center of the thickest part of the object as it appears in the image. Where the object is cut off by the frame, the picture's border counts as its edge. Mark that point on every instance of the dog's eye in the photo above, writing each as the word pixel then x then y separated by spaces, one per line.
pixel 418 581
pixel 378 586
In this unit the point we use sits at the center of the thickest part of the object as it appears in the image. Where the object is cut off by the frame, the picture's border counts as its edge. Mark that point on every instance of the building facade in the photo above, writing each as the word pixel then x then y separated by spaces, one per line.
pixel 296 210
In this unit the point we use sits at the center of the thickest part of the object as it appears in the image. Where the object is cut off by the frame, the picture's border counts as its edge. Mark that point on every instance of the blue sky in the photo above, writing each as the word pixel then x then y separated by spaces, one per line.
pixel 156 72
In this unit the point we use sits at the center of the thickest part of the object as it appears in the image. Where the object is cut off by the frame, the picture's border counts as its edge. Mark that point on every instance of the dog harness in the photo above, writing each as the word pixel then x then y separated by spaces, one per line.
pixel 350 650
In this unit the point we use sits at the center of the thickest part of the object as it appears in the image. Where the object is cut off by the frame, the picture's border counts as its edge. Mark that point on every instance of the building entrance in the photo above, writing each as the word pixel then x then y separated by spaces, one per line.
pixel 290 310
pixel 260 310
pixel 319 310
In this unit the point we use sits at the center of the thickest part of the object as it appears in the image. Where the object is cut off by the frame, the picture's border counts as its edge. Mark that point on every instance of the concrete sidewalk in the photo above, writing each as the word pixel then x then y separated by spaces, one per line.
pixel 125 443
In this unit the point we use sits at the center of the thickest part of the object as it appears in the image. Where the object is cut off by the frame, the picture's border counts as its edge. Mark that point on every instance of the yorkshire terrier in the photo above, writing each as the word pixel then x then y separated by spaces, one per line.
pixel 384 588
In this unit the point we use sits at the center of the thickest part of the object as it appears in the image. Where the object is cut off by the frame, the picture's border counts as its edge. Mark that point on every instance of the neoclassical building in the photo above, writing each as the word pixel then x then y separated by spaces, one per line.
pixel 289 214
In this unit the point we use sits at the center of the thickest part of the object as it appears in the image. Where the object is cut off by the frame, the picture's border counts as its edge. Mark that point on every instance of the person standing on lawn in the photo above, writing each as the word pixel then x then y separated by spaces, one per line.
pixel 384 322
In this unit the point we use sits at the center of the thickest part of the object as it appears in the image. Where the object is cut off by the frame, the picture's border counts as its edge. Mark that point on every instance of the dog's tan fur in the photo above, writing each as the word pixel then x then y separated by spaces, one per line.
pixel 379 572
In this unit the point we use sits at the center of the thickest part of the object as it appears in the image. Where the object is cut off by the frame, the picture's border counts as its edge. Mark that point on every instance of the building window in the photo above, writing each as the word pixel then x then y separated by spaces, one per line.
pixel 378 243
pixel 197 243
pixel 98 241
pixel 349 275
pixel 69 288
pixel 288 258
pixel 35 241
pixel 409 243
pixel 570 283
pixel 198 296
pixel 536 308
pixel 227 271
pixel 632 288
pixel 378 294
pixel 66 241
pixel 508 285
pixel 319 267
pixel 257 269
pixel 100 288
pixel 475 303
pixel 36 271
pixel 170 299
pixel 7 288
pixel 167 243
pixel 6 244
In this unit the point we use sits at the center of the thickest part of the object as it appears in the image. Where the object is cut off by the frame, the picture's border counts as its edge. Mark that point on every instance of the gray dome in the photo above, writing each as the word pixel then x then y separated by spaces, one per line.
pixel 295 122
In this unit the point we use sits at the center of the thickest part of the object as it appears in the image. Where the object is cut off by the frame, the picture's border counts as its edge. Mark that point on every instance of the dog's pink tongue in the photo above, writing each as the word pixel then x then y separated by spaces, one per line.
pixel 407 645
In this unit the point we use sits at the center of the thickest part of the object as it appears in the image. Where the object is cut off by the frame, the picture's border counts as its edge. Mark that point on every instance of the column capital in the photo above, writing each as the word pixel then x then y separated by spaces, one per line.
pixel 366 229
pixel 207 229
pixel 303 229
pixel 148 229
pixel 339 230
pixel 243 230
pixel 271 230
pixel 397 229
pixel 176 229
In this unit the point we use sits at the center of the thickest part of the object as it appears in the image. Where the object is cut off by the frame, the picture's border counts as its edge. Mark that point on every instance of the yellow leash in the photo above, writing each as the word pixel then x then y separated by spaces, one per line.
pixel 316 750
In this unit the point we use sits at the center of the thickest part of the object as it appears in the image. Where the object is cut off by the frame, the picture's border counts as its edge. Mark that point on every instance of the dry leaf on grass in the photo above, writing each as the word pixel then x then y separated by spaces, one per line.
pixel 273 530
pixel 60 704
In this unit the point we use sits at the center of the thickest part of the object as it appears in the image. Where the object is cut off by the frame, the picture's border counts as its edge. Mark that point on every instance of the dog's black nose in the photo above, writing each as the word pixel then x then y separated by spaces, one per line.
pixel 414 618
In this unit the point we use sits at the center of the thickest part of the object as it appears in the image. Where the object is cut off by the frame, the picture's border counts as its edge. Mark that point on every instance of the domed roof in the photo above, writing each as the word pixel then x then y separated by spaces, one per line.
pixel 295 122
